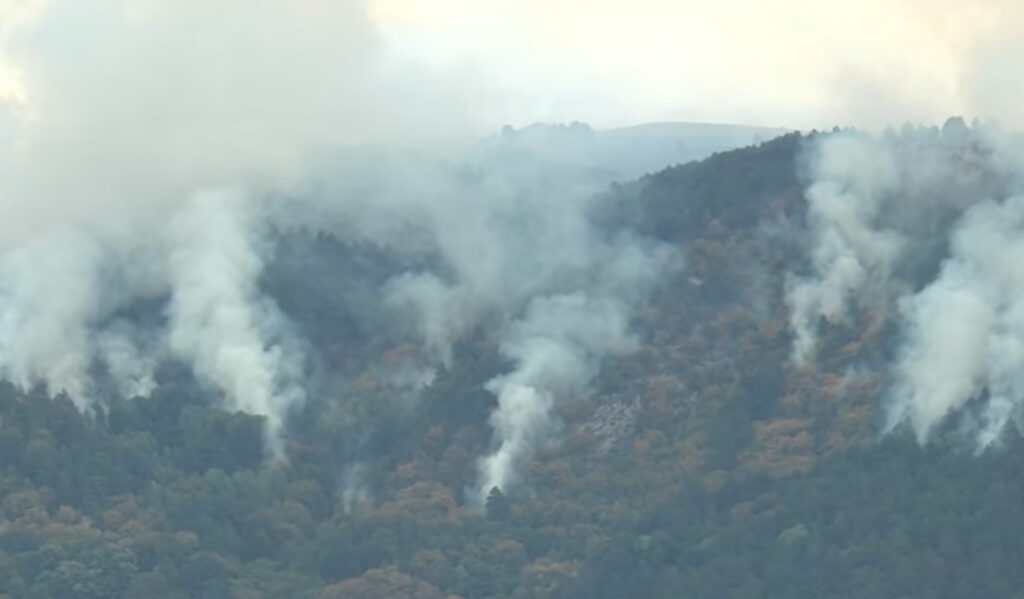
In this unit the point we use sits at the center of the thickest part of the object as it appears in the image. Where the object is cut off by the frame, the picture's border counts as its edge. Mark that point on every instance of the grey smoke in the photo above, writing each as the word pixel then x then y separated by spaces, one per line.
pixel 219 321
pixel 966 328
pixel 924 227
pixel 519 255
pixel 881 204
pixel 49 297
pixel 138 167
pixel 60 292
pixel 556 346
pixel 126 115
pixel 852 252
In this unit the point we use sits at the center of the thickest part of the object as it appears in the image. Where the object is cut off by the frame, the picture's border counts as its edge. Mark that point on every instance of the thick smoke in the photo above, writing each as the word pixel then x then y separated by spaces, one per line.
pixel 151 152
pixel 219 321
pixel 851 254
pixel 879 210
pixel 965 337
pixel 923 227
pixel 62 294
pixel 114 119
pixel 517 253
pixel 49 297
pixel 555 346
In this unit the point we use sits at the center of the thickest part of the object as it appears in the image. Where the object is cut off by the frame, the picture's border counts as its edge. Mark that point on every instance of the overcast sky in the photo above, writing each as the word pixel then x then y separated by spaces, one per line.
pixel 795 63
pixel 776 62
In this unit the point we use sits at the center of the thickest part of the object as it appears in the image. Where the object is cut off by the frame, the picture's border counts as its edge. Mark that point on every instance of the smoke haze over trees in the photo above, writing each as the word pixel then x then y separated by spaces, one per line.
pixel 273 325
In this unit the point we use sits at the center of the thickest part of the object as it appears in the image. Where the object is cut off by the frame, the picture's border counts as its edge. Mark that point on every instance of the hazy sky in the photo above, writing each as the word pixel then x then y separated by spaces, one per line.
pixel 782 62
pixel 798 63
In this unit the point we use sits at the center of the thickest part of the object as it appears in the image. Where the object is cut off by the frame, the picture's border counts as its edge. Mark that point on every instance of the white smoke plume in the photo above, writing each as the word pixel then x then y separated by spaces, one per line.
pixel 877 204
pixel 49 297
pixel 219 322
pixel 852 176
pixel 126 131
pixel 114 117
pixel 965 337
pixel 556 346
pixel 516 244
pixel 924 226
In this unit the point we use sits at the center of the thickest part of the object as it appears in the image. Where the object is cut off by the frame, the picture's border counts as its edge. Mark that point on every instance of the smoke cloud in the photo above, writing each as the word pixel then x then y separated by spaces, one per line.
pixel 852 176
pixel 49 297
pixel 965 338
pixel 555 346
pixel 517 253
pixel 219 321
pixel 924 228
pixel 152 152
pixel 116 121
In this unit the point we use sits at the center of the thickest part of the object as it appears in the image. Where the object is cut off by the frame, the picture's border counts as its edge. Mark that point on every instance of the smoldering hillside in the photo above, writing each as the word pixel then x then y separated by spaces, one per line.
pixel 506 378
pixel 286 249
pixel 382 273
pixel 272 245
pixel 279 326
pixel 393 288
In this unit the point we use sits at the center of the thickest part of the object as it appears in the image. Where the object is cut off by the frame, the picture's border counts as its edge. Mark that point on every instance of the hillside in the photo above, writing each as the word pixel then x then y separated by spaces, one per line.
pixel 622 153
pixel 697 456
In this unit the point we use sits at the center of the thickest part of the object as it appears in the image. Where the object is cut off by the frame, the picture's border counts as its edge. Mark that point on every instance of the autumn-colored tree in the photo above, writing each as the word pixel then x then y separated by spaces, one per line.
pixel 384 583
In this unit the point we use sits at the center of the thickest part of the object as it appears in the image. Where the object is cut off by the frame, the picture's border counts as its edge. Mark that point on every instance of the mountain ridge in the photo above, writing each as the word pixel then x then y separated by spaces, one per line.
pixel 703 461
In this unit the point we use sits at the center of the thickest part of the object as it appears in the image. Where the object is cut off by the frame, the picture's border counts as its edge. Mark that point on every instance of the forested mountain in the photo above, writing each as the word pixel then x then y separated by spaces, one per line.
pixel 723 448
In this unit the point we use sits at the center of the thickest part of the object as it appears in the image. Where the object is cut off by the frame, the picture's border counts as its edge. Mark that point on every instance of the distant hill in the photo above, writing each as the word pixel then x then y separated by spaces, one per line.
pixel 626 152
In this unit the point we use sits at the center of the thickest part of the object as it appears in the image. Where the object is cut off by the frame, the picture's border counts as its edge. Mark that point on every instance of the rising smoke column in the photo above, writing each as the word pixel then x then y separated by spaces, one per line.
pixel 112 115
pixel 965 330
pixel 59 298
pixel 557 346
pixel 516 253
pixel 852 177
pixel 930 222
pixel 220 323
pixel 49 300
pixel 59 295
pixel 879 209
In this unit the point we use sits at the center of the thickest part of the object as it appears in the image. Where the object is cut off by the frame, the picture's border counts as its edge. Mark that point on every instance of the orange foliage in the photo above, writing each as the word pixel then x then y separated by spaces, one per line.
pixel 772 327
pixel 741 510
pixel 781 447
pixel 399 353
pixel 382 583
pixel 832 384
pixel 509 553
pixel 428 503
pixel 558 472
pixel 543 577
pixel 689 455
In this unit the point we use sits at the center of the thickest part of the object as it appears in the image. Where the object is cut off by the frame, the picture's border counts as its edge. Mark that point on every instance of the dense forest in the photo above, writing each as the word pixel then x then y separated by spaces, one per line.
pixel 705 462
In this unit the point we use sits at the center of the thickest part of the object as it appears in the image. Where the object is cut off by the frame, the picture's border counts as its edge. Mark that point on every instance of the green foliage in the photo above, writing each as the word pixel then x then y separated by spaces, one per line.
pixel 496 506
